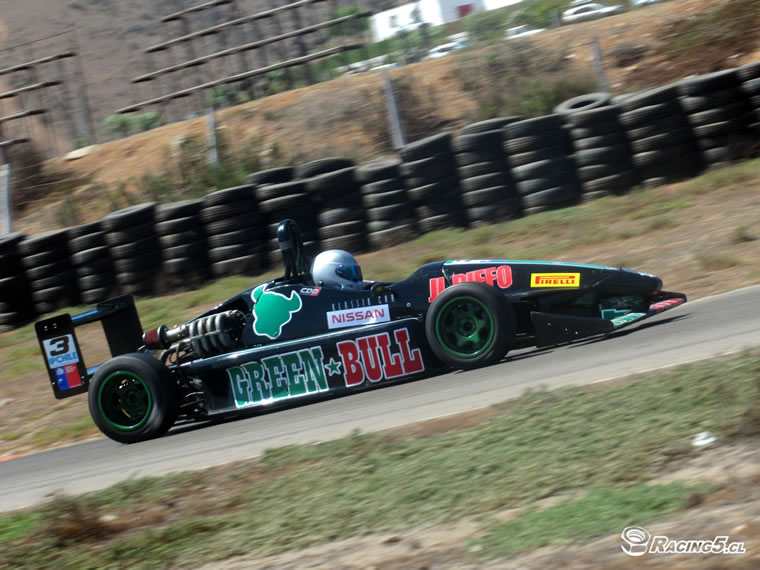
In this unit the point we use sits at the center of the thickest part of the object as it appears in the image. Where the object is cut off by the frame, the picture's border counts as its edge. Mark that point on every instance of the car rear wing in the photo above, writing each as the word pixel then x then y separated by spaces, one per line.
pixel 65 365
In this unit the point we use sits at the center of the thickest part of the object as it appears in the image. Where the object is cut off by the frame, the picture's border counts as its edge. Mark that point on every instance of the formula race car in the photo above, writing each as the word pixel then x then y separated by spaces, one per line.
pixel 293 337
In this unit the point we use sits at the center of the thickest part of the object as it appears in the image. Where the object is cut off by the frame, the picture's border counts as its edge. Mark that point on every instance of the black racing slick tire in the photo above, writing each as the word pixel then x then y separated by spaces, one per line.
pixel 470 325
pixel 132 398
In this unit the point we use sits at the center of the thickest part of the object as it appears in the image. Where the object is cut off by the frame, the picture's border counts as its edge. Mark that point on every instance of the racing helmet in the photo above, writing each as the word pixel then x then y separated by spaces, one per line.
pixel 338 269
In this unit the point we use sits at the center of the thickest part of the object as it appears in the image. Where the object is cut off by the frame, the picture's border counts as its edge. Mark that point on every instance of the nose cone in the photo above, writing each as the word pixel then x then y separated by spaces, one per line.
pixel 646 281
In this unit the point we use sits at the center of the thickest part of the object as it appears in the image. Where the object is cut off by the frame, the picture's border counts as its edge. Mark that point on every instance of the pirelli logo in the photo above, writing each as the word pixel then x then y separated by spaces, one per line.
pixel 555 279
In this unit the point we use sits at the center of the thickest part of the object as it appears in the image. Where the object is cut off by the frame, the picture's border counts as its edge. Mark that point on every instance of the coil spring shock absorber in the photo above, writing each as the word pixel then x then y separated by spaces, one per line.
pixel 206 336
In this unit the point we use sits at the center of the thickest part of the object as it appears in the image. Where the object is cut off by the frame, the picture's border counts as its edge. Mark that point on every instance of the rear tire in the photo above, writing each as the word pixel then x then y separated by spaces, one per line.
pixel 470 325
pixel 133 398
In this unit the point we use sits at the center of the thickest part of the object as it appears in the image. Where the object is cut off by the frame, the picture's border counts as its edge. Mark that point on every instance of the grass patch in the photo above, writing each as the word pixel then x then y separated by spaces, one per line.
pixel 11 435
pixel 660 223
pixel 658 208
pixel 713 261
pixel 18 525
pixel 309 494
pixel 601 511
pixel 742 234
pixel 720 27
pixel 23 359
pixel 74 430
pixel 746 172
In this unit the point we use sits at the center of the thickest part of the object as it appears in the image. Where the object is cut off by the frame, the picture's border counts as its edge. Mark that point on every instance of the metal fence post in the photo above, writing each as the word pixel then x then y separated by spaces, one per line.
pixel 397 133
pixel 601 75
pixel 5 198
pixel 212 156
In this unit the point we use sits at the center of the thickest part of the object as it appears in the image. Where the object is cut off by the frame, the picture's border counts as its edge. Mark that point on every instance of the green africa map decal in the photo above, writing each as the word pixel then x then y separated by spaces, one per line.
pixel 272 311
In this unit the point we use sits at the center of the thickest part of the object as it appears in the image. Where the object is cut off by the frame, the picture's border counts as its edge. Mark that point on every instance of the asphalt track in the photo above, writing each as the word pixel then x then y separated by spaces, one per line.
pixel 705 328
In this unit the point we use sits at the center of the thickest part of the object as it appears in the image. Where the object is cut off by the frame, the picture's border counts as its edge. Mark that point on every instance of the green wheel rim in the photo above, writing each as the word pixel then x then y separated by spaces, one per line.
pixel 125 401
pixel 465 327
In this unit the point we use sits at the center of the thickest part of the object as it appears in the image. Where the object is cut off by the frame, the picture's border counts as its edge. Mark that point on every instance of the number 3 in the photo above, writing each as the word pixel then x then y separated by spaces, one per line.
pixel 59 346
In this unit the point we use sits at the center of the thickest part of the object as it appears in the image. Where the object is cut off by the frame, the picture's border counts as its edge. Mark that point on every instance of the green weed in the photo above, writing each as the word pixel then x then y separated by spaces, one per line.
pixel 601 511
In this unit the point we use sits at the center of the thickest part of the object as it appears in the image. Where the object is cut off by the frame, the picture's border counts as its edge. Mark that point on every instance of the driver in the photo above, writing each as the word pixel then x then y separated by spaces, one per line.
pixel 337 269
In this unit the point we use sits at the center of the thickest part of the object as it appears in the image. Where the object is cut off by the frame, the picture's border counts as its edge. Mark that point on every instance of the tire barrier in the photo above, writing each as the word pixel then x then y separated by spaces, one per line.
pixel 272 176
pixel 750 77
pixel 603 153
pixel 342 218
pixel 288 200
pixel 232 222
pixel 717 110
pixel 591 146
pixel 663 144
pixel 539 152
pixel 432 182
pixel 390 220
pixel 585 102
pixel 91 259
pixel 323 166
pixel 135 249
pixel 184 247
pixel 49 273
pixel 15 300
pixel 488 191
pixel 489 125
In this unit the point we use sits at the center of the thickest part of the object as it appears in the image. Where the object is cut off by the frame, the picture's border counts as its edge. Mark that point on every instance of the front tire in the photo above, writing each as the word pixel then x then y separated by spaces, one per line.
pixel 470 325
pixel 133 398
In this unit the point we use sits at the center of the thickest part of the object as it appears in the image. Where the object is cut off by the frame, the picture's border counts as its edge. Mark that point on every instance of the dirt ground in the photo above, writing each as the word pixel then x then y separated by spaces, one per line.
pixel 732 510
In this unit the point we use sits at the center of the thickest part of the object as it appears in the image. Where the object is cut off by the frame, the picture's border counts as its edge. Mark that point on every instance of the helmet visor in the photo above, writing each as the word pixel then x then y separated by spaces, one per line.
pixel 350 272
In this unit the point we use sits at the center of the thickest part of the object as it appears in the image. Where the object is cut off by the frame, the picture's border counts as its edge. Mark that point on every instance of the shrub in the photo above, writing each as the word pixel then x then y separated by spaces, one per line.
pixel 485 25
pixel 118 124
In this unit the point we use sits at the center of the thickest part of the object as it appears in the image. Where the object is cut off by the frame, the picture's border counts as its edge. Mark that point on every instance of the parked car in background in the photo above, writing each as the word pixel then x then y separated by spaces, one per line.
pixel 445 49
pixel 522 31
pixel 590 11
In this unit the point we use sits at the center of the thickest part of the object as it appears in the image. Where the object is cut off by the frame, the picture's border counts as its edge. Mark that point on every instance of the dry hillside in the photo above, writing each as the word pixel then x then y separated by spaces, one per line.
pixel 346 116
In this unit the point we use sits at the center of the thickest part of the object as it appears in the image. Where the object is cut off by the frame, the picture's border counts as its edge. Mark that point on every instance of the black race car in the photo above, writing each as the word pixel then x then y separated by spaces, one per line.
pixel 291 338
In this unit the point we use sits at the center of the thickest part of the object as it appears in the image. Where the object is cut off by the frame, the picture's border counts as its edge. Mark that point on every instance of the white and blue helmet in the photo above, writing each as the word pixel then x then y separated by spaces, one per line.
pixel 337 269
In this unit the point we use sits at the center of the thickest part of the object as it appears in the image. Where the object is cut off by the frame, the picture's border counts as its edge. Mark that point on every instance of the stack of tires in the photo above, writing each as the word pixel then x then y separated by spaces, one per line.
pixel 602 152
pixel 47 267
pixel 135 251
pixel 662 142
pixel 489 125
pixel 539 152
pixel 91 258
pixel 342 219
pixel 750 76
pixel 184 249
pixel 234 229
pixel 390 219
pixel 15 301
pixel 271 176
pixel 488 190
pixel 288 200
pixel 718 110
pixel 432 182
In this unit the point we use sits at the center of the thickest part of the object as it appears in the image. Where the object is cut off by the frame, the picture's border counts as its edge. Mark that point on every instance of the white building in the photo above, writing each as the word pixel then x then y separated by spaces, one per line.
pixel 434 12
pixel 409 16
pixel 494 4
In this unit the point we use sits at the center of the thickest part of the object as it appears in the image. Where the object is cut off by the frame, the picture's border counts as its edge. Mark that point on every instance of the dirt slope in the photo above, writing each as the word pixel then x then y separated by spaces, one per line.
pixel 346 116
